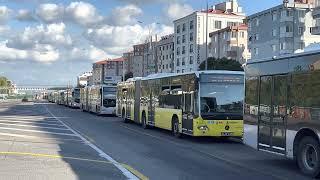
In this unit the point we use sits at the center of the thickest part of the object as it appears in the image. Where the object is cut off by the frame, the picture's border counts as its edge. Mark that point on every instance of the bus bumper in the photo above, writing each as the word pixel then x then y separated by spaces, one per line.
pixel 218 128
pixel 109 110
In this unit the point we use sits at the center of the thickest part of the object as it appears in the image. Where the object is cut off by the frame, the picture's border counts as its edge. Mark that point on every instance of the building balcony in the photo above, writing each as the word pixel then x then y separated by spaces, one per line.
pixel 286 34
pixel 315 30
pixel 286 18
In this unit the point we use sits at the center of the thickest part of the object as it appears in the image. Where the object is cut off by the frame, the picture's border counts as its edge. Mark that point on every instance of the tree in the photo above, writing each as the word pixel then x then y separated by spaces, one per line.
pixel 221 64
pixel 3 82
pixel 128 75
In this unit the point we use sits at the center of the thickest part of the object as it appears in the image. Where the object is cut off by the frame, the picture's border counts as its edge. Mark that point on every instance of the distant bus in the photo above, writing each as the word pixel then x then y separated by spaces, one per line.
pixel 61 100
pixel 84 98
pixel 205 103
pixel 102 99
pixel 282 108
pixel 73 97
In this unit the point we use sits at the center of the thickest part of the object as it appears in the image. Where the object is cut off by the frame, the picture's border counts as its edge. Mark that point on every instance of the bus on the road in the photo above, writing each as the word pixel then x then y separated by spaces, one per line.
pixel 282 108
pixel 204 103
pixel 73 97
pixel 102 99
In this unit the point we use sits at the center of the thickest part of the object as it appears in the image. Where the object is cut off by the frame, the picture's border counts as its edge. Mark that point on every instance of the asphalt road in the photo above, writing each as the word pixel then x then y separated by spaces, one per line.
pixel 63 143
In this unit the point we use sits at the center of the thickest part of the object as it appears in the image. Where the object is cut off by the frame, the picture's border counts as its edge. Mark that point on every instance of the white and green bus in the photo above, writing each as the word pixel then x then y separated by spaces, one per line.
pixel 204 103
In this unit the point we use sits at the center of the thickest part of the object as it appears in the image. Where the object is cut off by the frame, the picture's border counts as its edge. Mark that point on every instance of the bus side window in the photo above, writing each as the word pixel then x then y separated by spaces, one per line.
pixel 176 97
pixel 163 97
pixel 188 102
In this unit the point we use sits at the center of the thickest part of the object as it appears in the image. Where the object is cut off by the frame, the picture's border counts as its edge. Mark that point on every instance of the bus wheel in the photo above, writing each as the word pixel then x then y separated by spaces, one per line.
pixel 175 128
pixel 144 122
pixel 308 156
pixel 125 120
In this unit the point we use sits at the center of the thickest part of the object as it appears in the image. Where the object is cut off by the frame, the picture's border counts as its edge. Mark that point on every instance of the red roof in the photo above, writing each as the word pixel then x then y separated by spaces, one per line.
pixel 101 62
pixel 116 59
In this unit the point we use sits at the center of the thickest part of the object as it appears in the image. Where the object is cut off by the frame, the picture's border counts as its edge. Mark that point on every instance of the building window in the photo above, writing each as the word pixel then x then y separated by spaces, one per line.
pixel 301 13
pixel 183 27
pixel 233 34
pixel 256 51
pixel 282 46
pixel 215 50
pixel 178 29
pixel 242 34
pixel 178 39
pixel 167 57
pixel 183 38
pixel 191 36
pixel 301 45
pixel 183 61
pixel 301 30
pixel 274 16
pixel 257 22
pixel 182 71
pixel 178 62
pixel 191 48
pixel 191 60
pixel 289 28
pixel 191 24
pixel 178 50
pixel 274 48
pixel 231 24
pixel 166 66
pixel 183 49
pixel 178 71
pixel 274 32
pixel 217 24
pixel 256 37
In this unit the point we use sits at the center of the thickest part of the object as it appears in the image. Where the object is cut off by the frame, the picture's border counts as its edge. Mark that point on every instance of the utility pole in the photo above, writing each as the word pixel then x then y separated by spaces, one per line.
pixel 206 60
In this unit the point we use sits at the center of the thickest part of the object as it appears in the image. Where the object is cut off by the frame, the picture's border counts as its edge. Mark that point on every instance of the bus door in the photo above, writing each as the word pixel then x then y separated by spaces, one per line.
pixel 272 113
pixel 137 102
pixel 151 107
pixel 187 114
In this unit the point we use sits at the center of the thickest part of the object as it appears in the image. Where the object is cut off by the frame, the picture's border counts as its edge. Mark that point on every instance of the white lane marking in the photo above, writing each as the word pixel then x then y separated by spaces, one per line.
pixel 34 122
pixel 124 171
pixel 24 125
pixel 45 132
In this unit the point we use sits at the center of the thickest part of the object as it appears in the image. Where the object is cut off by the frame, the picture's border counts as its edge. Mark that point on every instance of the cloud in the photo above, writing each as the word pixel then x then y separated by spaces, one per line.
pixel 83 13
pixel 25 15
pixel 52 34
pixel 121 16
pixel 176 10
pixel 91 53
pixel 45 54
pixel 50 13
pixel 141 2
pixel 5 13
pixel 118 39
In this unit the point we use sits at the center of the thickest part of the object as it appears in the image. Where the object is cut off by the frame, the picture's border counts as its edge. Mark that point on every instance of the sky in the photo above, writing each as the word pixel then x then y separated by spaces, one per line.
pixel 51 42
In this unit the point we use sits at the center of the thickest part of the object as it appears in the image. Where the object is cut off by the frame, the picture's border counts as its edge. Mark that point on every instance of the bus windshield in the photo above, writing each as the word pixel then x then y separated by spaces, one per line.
pixel 107 91
pixel 219 101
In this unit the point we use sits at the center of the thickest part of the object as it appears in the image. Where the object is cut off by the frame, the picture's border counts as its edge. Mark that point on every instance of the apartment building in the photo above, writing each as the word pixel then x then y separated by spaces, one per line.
pixel 281 30
pixel 82 80
pixel 149 58
pixel 114 70
pixel 138 55
pixel 107 71
pixel 97 71
pixel 230 42
pixel 165 54
pixel 192 33
pixel 128 62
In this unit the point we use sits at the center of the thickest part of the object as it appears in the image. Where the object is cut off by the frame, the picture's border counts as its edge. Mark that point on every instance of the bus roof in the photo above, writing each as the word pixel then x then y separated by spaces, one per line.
pixel 197 73
pixel 287 56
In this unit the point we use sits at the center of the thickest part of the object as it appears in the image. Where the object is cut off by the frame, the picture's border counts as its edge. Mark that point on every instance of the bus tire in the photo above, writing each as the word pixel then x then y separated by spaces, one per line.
pixel 123 115
pixel 144 121
pixel 175 127
pixel 308 156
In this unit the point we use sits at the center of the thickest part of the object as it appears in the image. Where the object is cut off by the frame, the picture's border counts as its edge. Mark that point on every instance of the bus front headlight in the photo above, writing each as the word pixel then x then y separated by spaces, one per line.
pixel 203 128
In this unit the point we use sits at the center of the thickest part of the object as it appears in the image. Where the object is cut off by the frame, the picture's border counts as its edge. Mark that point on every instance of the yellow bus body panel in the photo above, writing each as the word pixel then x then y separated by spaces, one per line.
pixel 218 128
pixel 163 117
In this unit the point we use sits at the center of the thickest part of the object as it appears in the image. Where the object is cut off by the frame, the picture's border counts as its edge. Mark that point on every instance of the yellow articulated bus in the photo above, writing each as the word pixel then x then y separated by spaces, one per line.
pixel 203 103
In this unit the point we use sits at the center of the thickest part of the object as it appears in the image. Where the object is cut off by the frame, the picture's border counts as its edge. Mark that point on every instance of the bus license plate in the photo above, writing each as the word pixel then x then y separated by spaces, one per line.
pixel 226 134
